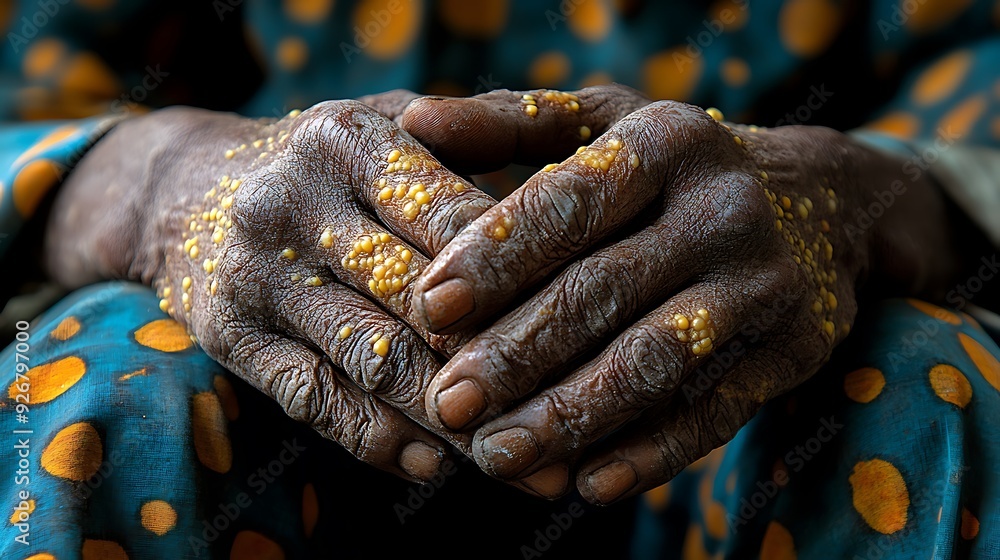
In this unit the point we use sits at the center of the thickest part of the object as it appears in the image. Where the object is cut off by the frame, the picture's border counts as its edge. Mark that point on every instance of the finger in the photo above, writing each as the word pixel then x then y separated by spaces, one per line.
pixel 560 213
pixel 390 104
pixel 687 430
pixel 363 254
pixel 310 390
pixel 490 131
pixel 380 354
pixel 641 368
pixel 587 303
pixel 390 173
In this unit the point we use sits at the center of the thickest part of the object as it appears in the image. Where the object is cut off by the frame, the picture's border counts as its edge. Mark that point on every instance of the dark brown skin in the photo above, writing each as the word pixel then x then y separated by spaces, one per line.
pixel 608 259
pixel 127 210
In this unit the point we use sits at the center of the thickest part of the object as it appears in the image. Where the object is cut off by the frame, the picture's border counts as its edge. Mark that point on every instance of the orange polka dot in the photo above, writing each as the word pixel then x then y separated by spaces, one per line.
pixel 308 11
pixel 292 53
pixel 389 39
pixel 590 20
pixel 227 396
pixel 87 75
pixel 942 78
pixel 51 139
pixel 939 313
pixel 671 74
pixel 50 380
pixel 864 384
pixel 16 516
pixel 694 544
pixel 596 79
pixel 933 14
pixel 211 437
pixel 949 384
pixel 778 543
pixel 32 183
pixel 715 521
pixel 66 329
pixel 732 14
pixel 158 517
pixel 807 27
pixel 251 545
pixel 165 335
pixel 41 556
pixel 137 373
pixel 959 121
pixel 102 550
pixel 880 495
pixel 96 4
pixel 735 72
pixel 42 56
pixel 481 20
pixel 658 497
pixel 970 525
pixel 902 125
pixel 310 509
pixel 549 70
pixel 74 453
pixel 987 364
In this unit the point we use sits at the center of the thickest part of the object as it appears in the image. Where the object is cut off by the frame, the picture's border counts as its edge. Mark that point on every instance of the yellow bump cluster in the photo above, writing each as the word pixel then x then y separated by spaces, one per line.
pixel 326 238
pixel 600 158
pixel 550 167
pixel 529 105
pixel 387 262
pixel 699 330
pixel 165 297
pixel 502 228
pixel 569 101
pixel 397 161
pixel 811 249
pixel 412 197
pixel 380 344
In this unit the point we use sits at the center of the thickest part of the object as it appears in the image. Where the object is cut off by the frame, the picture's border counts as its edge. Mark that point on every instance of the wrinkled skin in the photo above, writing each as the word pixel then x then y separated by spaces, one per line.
pixel 600 265
pixel 272 316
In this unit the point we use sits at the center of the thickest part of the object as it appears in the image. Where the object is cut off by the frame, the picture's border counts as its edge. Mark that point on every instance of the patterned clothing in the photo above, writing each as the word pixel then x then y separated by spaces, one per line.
pixel 142 447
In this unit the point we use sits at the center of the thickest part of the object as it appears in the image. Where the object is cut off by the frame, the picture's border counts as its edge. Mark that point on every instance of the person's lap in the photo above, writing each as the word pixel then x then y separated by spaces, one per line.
pixel 140 441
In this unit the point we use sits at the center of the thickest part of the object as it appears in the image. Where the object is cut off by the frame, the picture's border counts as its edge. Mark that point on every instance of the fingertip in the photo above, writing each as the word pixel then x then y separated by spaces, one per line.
pixel 551 482
pixel 607 484
pixel 442 306
pixel 421 460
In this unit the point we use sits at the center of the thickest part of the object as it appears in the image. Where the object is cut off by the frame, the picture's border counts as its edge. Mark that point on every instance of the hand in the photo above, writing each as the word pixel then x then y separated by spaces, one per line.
pixel 288 249
pixel 689 271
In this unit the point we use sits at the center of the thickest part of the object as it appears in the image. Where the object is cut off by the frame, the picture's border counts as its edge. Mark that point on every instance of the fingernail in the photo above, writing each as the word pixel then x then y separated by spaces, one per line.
pixel 509 452
pixel 609 482
pixel 421 461
pixel 551 482
pixel 459 404
pixel 448 302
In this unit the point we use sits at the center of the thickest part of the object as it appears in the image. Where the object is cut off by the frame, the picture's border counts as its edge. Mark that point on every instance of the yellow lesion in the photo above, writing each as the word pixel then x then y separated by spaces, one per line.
pixel 601 158
pixel 698 330
pixel 387 263
pixel 502 228
pixel 398 161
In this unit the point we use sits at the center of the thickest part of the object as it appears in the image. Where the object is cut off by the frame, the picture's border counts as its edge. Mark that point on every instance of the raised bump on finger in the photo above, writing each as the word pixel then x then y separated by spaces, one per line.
pixel 310 390
pixel 489 131
pixel 640 369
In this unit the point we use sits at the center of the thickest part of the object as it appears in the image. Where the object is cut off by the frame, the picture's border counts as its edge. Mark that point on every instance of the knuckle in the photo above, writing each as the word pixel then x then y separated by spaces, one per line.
pixel 399 375
pixel 600 293
pixel 565 217
pixel 677 451
pixel 567 419
pixel 650 365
